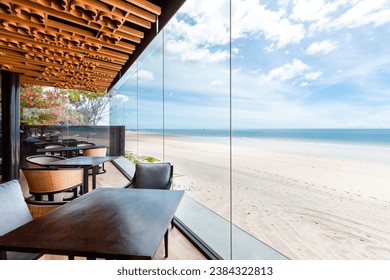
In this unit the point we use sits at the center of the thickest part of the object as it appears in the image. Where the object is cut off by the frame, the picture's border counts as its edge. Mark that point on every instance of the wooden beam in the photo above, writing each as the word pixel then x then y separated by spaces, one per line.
pixel 73 41
pixel 147 6
pixel 133 10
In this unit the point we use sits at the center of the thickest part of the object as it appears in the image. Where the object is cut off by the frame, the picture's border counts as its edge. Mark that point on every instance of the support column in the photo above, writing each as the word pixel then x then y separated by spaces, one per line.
pixel 10 105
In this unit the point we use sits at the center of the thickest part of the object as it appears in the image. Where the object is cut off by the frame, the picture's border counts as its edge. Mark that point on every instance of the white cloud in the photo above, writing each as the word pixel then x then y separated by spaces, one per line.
pixel 191 53
pixel 196 29
pixel 321 15
pixel 313 10
pixel 312 75
pixel 365 12
pixel 202 26
pixel 321 47
pixel 296 71
pixel 251 17
pixel 122 98
pixel 217 83
pixel 287 72
pixel 143 76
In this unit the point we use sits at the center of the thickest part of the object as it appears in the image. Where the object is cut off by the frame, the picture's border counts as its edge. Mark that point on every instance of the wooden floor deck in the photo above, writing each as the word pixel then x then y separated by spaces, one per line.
pixel 180 248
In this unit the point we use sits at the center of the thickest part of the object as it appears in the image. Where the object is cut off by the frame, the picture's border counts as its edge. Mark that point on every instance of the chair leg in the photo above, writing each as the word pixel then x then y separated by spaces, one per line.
pixel 75 192
pixel 166 243
pixel 71 258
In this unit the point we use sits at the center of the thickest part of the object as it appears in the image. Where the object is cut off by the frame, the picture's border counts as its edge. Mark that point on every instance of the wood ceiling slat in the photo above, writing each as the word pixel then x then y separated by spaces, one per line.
pixel 28 45
pixel 105 38
pixel 130 31
pixel 129 8
pixel 72 43
pixel 147 6
pixel 118 13
pixel 139 21
pixel 106 52
pixel 56 69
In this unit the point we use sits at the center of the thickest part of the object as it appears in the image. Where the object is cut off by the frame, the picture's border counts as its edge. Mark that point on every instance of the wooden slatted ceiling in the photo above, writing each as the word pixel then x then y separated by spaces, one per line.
pixel 79 44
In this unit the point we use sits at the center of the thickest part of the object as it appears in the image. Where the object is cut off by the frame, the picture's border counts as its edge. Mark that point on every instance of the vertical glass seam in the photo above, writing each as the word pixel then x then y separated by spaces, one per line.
pixel 163 92
pixel 137 108
pixel 230 131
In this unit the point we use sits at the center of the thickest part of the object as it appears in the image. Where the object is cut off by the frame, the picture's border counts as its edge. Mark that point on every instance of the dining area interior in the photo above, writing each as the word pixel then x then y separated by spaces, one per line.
pixel 116 215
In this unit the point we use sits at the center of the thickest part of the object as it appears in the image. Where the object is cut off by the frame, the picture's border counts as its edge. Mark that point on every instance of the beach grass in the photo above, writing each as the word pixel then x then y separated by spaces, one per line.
pixel 140 158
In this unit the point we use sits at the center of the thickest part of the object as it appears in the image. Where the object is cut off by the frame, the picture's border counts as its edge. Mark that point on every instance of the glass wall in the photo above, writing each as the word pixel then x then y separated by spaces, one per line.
pixel 55 118
pixel 310 124
pixel 197 117
pixel 276 122
pixel 150 101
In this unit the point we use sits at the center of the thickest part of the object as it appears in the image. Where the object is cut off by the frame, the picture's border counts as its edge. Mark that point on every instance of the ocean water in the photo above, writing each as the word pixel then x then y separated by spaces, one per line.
pixel 355 136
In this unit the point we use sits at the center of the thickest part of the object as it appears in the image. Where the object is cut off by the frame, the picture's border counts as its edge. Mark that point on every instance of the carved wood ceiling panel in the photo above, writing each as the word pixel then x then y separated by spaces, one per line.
pixel 80 44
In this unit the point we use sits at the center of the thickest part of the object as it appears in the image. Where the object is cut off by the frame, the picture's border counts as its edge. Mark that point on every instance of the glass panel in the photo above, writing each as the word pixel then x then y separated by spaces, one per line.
pixel 150 102
pixel 124 109
pixel 197 117
pixel 52 116
pixel 139 105
pixel 311 138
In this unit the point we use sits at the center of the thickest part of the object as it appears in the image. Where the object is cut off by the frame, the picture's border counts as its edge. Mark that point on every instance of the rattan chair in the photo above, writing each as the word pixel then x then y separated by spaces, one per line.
pixel 39 208
pixel 80 152
pixel 53 146
pixel 38 161
pixel 97 152
pixel 45 181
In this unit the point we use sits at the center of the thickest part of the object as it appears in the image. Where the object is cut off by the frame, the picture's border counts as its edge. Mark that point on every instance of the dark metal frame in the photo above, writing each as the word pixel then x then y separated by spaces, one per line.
pixel 10 104
pixel 199 244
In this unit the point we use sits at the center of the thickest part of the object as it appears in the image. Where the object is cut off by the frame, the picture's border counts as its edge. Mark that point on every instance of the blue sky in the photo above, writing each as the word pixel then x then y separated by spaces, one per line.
pixel 295 64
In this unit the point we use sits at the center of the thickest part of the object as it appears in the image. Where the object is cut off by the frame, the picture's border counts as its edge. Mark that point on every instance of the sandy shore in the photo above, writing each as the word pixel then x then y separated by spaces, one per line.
pixel 299 198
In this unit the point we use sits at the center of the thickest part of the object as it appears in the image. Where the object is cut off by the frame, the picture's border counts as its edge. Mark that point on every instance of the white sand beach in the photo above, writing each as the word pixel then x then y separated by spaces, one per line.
pixel 306 200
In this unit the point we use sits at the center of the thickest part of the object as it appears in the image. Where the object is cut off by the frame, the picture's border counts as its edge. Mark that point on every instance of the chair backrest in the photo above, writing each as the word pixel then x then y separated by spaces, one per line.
pixel 68 142
pixel 40 208
pixel 37 161
pixel 13 209
pixel 85 144
pixel 95 152
pixel 45 180
pixel 54 146
pixel 153 175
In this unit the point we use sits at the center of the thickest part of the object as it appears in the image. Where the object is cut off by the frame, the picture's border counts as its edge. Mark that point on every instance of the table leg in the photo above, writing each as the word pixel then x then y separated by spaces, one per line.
pixel 95 170
pixel 85 180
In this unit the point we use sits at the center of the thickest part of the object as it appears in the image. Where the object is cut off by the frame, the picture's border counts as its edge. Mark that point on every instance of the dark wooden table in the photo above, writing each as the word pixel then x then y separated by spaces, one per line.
pixel 68 150
pixel 105 223
pixel 85 162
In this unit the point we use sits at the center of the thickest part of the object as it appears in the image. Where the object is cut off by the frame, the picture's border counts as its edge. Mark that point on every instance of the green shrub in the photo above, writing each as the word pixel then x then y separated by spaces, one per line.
pixel 140 158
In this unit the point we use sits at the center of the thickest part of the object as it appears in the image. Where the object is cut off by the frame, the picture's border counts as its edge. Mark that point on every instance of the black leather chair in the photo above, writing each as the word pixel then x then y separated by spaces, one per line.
pixel 13 214
pixel 154 176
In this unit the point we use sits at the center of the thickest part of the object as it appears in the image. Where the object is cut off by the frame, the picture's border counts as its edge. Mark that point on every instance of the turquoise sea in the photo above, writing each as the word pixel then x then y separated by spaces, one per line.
pixel 357 136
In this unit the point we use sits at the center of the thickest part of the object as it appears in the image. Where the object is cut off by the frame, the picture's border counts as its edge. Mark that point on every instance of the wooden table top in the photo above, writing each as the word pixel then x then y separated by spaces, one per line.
pixel 69 148
pixel 105 223
pixel 81 161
